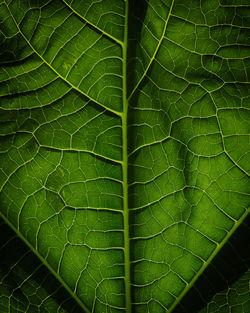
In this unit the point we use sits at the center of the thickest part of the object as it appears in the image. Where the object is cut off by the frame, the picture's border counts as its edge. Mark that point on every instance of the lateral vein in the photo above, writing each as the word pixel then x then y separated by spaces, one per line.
pixel 58 74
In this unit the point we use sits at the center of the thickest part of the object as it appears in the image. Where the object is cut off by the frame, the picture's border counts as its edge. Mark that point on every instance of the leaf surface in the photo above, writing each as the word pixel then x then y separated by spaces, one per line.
pixel 124 148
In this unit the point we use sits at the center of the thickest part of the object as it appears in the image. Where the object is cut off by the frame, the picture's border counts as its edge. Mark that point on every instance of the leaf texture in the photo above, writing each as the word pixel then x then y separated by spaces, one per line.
pixel 124 150
pixel 236 297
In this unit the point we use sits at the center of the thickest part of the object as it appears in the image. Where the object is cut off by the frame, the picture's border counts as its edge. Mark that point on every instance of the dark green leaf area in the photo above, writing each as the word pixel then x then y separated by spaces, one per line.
pixel 26 285
pixel 224 285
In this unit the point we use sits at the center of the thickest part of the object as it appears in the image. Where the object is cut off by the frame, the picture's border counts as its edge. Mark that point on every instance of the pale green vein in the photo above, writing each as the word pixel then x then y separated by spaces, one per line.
pixel 207 25
pixel 24 92
pixel 16 169
pixel 41 105
pixel 93 153
pixel 93 25
pixel 156 50
pixel 223 142
pixel 234 5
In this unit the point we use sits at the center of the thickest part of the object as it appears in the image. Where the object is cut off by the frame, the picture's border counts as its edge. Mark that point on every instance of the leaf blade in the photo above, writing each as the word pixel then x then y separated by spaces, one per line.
pixel 125 188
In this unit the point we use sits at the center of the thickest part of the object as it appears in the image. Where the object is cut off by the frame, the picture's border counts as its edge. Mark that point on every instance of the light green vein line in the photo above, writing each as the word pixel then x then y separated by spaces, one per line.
pixel 125 169
pixel 17 168
pixel 156 50
pixel 234 5
pixel 20 235
pixel 208 261
pixel 210 25
pixel 54 70
pixel 231 159
pixel 93 25
pixel 223 141
pixel 93 153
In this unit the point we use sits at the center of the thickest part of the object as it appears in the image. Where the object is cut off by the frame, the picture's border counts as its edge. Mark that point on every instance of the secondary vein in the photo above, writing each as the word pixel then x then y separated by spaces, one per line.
pixel 154 55
pixel 92 24
pixel 56 72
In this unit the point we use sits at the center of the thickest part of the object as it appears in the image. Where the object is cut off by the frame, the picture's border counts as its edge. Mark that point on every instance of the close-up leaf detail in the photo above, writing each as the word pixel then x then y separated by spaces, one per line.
pixel 124 156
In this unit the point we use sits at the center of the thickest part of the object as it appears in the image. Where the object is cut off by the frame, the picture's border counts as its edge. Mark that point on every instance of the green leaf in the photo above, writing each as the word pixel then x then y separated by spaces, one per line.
pixel 224 285
pixel 124 152
pixel 235 298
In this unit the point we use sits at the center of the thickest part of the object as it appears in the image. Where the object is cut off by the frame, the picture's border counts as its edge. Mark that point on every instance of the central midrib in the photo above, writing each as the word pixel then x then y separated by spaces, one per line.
pixel 125 170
